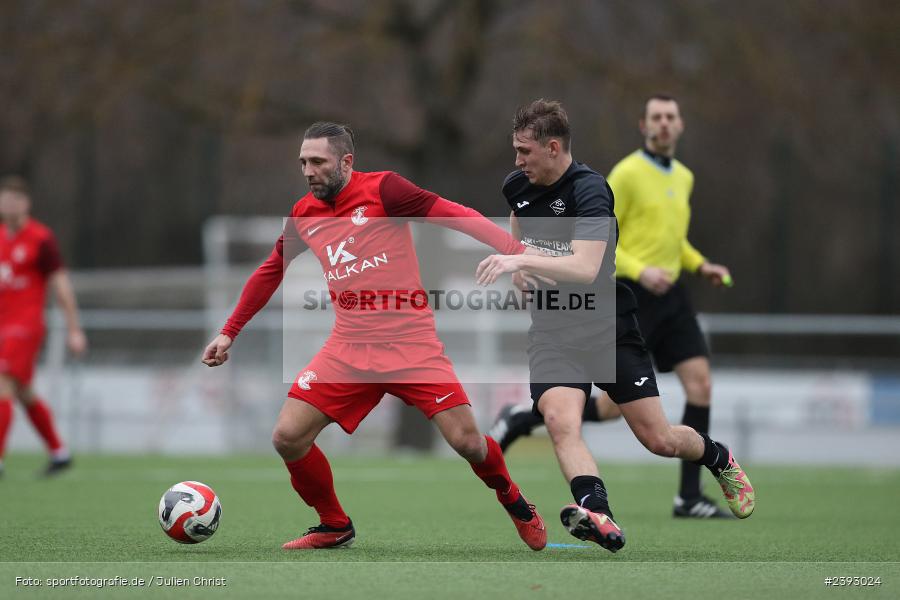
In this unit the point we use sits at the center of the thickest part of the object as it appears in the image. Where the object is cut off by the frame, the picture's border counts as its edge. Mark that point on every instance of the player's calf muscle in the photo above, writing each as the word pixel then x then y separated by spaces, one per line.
pixel 659 444
pixel 698 391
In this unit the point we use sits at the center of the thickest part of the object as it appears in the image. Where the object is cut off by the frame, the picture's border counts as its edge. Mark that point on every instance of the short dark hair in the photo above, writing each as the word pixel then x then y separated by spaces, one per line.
pixel 546 119
pixel 340 137
pixel 658 96
pixel 14 183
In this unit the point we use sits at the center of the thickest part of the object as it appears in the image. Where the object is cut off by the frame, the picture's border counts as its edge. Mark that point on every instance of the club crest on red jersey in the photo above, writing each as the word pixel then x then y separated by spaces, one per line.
pixel 306 377
pixel 358 216
pixel 19 254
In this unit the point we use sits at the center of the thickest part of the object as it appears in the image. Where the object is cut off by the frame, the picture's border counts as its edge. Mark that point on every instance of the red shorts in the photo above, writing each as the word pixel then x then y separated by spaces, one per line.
pixel 19 348
pixel 347 380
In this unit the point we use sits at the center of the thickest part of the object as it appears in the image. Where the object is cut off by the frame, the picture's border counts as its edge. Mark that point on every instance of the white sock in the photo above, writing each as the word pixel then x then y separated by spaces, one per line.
pixel 61 454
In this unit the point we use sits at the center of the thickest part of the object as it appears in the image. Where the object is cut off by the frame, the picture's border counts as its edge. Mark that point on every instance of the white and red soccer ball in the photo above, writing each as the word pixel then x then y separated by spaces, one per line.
pixel 189 512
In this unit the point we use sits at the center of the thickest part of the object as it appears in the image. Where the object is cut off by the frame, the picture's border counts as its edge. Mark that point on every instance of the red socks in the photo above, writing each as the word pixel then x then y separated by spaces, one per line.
pixel 312 479
pixel 42 419
pixel 6 417
pixel 494 474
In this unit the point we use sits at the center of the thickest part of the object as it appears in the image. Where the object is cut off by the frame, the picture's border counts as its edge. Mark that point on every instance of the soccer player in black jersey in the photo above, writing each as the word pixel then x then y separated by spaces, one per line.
pixel 652 191
pixel 547 187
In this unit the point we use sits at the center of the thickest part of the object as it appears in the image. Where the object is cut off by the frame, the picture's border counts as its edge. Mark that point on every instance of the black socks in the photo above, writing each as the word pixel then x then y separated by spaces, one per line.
pixel 590 493
pixel 696 417
pixel 715 456
pixel 519 509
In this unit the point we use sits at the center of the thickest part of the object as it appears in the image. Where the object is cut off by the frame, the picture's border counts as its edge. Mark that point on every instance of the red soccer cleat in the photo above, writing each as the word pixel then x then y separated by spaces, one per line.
pixel 532 532
pixel 592 527
pixel 323 536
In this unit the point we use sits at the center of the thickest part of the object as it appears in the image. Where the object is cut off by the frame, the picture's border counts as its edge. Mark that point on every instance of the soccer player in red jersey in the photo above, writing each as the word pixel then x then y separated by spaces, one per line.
pixel 356 225
pixel 29 260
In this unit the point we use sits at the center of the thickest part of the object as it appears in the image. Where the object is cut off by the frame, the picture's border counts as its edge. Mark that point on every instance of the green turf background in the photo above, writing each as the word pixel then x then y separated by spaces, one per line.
pixel 427 528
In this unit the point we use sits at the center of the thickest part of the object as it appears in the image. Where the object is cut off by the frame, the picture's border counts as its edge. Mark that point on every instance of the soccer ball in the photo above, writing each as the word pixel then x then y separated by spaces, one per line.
pixel 189 512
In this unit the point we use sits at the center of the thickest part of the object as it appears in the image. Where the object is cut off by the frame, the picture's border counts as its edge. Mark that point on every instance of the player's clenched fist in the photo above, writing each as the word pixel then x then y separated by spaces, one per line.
pixel 216 352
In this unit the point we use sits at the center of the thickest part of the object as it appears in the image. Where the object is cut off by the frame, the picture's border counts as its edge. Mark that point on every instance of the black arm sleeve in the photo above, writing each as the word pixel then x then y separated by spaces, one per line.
pixel 593 208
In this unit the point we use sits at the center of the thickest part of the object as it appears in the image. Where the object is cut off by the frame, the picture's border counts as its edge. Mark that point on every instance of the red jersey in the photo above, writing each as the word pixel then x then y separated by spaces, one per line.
pixel 363 241
pixel 27 259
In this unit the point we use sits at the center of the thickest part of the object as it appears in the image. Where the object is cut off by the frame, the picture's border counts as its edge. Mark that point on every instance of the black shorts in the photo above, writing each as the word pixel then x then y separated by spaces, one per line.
pixel 564 363
pixel 669 325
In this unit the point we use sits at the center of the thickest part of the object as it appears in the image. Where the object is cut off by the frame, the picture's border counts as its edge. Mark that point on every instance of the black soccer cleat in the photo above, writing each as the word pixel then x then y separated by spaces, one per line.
pixel 57 466
pixel 700 507
pixel 513 422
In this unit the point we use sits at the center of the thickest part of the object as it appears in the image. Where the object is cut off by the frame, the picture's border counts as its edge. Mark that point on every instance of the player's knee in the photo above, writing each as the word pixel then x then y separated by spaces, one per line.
pixel 470 445
pixel 561 424
pixel 289 443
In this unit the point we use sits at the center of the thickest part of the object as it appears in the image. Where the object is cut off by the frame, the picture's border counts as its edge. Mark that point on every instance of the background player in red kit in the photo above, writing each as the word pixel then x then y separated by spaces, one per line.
pixel 29 260
pixel 349 220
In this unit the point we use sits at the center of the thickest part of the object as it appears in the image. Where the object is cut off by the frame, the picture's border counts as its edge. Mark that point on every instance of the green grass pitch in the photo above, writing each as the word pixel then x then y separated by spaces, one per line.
pixel 427 528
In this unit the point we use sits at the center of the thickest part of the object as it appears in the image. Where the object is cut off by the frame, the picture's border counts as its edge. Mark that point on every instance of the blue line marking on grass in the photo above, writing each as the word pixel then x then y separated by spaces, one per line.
pixel 566 546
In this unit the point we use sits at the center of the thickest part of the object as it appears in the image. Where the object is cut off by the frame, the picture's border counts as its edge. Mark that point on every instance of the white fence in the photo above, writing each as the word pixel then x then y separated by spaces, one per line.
pixel 125 399
pixel 816 416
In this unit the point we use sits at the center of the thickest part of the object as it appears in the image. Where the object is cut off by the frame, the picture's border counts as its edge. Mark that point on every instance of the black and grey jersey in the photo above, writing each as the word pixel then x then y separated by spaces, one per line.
pixel 578 206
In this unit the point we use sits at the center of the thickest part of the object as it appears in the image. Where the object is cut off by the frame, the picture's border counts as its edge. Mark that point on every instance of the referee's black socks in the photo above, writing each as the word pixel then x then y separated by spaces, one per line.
pixel 697 418
pixel 715 455
pixel 590 493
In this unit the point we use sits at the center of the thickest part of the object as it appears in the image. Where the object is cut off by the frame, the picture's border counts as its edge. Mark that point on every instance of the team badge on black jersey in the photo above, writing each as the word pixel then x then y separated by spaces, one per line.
pixel 558 206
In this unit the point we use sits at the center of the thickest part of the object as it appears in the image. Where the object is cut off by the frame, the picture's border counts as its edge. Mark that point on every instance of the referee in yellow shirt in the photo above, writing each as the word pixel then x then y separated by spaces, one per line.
pixel 652 192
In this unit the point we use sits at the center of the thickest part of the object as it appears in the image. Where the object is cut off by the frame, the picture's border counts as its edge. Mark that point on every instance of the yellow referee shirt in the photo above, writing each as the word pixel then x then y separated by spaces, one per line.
pixel 653 211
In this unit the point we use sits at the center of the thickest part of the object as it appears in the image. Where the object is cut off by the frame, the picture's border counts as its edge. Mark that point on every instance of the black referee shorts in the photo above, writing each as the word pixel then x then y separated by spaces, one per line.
pixel 669 325
pixel 558 364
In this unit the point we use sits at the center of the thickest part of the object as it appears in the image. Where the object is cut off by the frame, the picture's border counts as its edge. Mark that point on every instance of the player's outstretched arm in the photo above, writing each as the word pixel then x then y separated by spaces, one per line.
pixel 256 293
pixel 216 353
pixel 402 198
pixel 471 222
pixel 65 297
pixel 581 266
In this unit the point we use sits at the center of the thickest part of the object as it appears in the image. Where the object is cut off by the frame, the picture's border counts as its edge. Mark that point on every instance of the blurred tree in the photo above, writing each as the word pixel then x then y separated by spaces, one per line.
pixel 138 120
